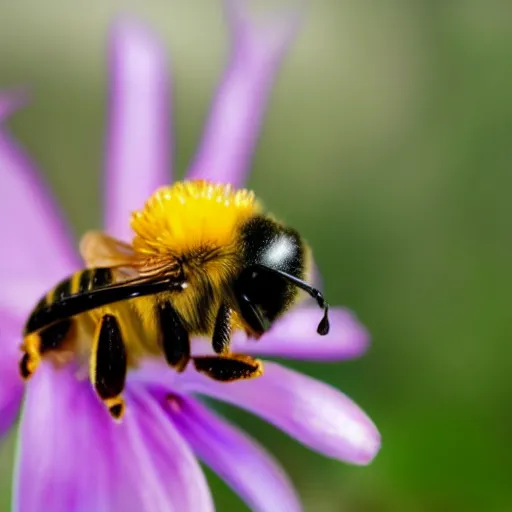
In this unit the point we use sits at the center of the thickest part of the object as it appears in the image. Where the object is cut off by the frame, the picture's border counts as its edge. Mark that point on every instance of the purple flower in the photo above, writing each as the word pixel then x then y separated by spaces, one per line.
pixel 71 456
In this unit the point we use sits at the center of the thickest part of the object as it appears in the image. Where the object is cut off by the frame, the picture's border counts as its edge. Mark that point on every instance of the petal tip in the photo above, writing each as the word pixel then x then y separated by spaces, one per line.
pixel 272 34
pixel 360 335
pixel 130 36
pixel 370 448
pixel 126 25
pixel 362 441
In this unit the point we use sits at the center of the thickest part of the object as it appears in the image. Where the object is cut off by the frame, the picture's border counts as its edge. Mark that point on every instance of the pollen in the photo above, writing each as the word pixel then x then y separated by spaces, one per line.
pixel 191 215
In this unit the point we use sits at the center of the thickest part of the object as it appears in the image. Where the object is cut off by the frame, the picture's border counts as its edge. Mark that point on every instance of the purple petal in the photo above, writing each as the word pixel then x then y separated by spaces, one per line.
pixel 314 413
pixel 11 384
pixel 237 459
pixel 234 122
pixel 60 447
pixel 176 464
pixel 138 140
pixel 72 457
pixel 295 337
pixel 37 250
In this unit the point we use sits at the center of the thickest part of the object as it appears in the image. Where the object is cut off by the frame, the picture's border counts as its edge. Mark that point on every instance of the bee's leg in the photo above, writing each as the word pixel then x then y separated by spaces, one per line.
pixel 229 368
pixel 48 340
pixel 222 330
pixel 174 339
pixel 108 365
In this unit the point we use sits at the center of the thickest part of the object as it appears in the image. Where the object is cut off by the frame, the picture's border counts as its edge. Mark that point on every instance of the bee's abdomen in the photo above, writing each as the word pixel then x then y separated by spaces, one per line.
pixel 94 278
pixel 53 336
pixel 80 282
pixel 77 283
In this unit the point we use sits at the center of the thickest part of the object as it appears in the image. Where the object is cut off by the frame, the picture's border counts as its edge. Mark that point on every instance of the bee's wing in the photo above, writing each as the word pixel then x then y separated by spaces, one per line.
pixel 101 250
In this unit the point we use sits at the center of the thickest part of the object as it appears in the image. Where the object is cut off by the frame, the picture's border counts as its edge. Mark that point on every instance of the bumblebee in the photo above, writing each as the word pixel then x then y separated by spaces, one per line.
pixel 205 260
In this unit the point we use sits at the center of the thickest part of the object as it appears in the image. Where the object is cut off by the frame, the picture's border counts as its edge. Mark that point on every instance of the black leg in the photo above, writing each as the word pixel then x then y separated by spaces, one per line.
pixel 222 330
pixel 175 340
pixel 109 365
pixel 229 368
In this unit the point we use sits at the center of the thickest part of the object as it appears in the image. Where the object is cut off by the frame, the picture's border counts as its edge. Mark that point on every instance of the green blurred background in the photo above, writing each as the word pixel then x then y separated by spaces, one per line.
pixel 392 122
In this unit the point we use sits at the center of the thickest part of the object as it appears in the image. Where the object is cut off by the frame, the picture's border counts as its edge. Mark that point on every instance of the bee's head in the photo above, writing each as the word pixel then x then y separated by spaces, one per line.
pixel 274 266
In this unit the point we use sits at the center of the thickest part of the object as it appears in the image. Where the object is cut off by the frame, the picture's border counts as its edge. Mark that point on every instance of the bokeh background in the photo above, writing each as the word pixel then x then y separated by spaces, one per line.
pixel 388 144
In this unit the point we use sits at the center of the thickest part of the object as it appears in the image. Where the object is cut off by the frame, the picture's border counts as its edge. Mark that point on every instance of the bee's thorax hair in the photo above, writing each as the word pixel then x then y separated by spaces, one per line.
pixel 194 228
pixel 191 220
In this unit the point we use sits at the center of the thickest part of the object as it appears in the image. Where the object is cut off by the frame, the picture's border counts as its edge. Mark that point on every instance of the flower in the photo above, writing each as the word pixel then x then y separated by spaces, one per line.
pixel 71 456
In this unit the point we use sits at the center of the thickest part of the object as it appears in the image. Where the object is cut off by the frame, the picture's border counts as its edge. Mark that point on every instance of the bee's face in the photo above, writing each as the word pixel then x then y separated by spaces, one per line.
pixel 262 295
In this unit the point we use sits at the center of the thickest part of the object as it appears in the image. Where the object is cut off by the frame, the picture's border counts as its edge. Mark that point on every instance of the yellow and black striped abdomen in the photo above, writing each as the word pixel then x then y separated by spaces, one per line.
pixel 75 284
pixel 41 335
pixel 80 282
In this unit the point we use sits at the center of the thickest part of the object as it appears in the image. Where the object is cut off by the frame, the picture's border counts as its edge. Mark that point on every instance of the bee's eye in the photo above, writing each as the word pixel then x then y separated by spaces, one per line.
pixel 252 314
pixel 262 296
pixel 250 295
pixel 255 284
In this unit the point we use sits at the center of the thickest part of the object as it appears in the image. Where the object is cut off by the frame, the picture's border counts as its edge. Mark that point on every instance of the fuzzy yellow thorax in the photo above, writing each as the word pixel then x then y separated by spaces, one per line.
pixel 189 216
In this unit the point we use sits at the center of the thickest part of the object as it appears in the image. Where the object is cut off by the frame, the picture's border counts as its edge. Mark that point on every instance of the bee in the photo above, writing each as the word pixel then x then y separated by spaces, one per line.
pixel 205 260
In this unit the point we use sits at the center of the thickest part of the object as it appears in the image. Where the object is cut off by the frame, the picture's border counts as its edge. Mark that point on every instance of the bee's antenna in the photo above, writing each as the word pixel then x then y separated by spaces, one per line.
pixel 323 326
